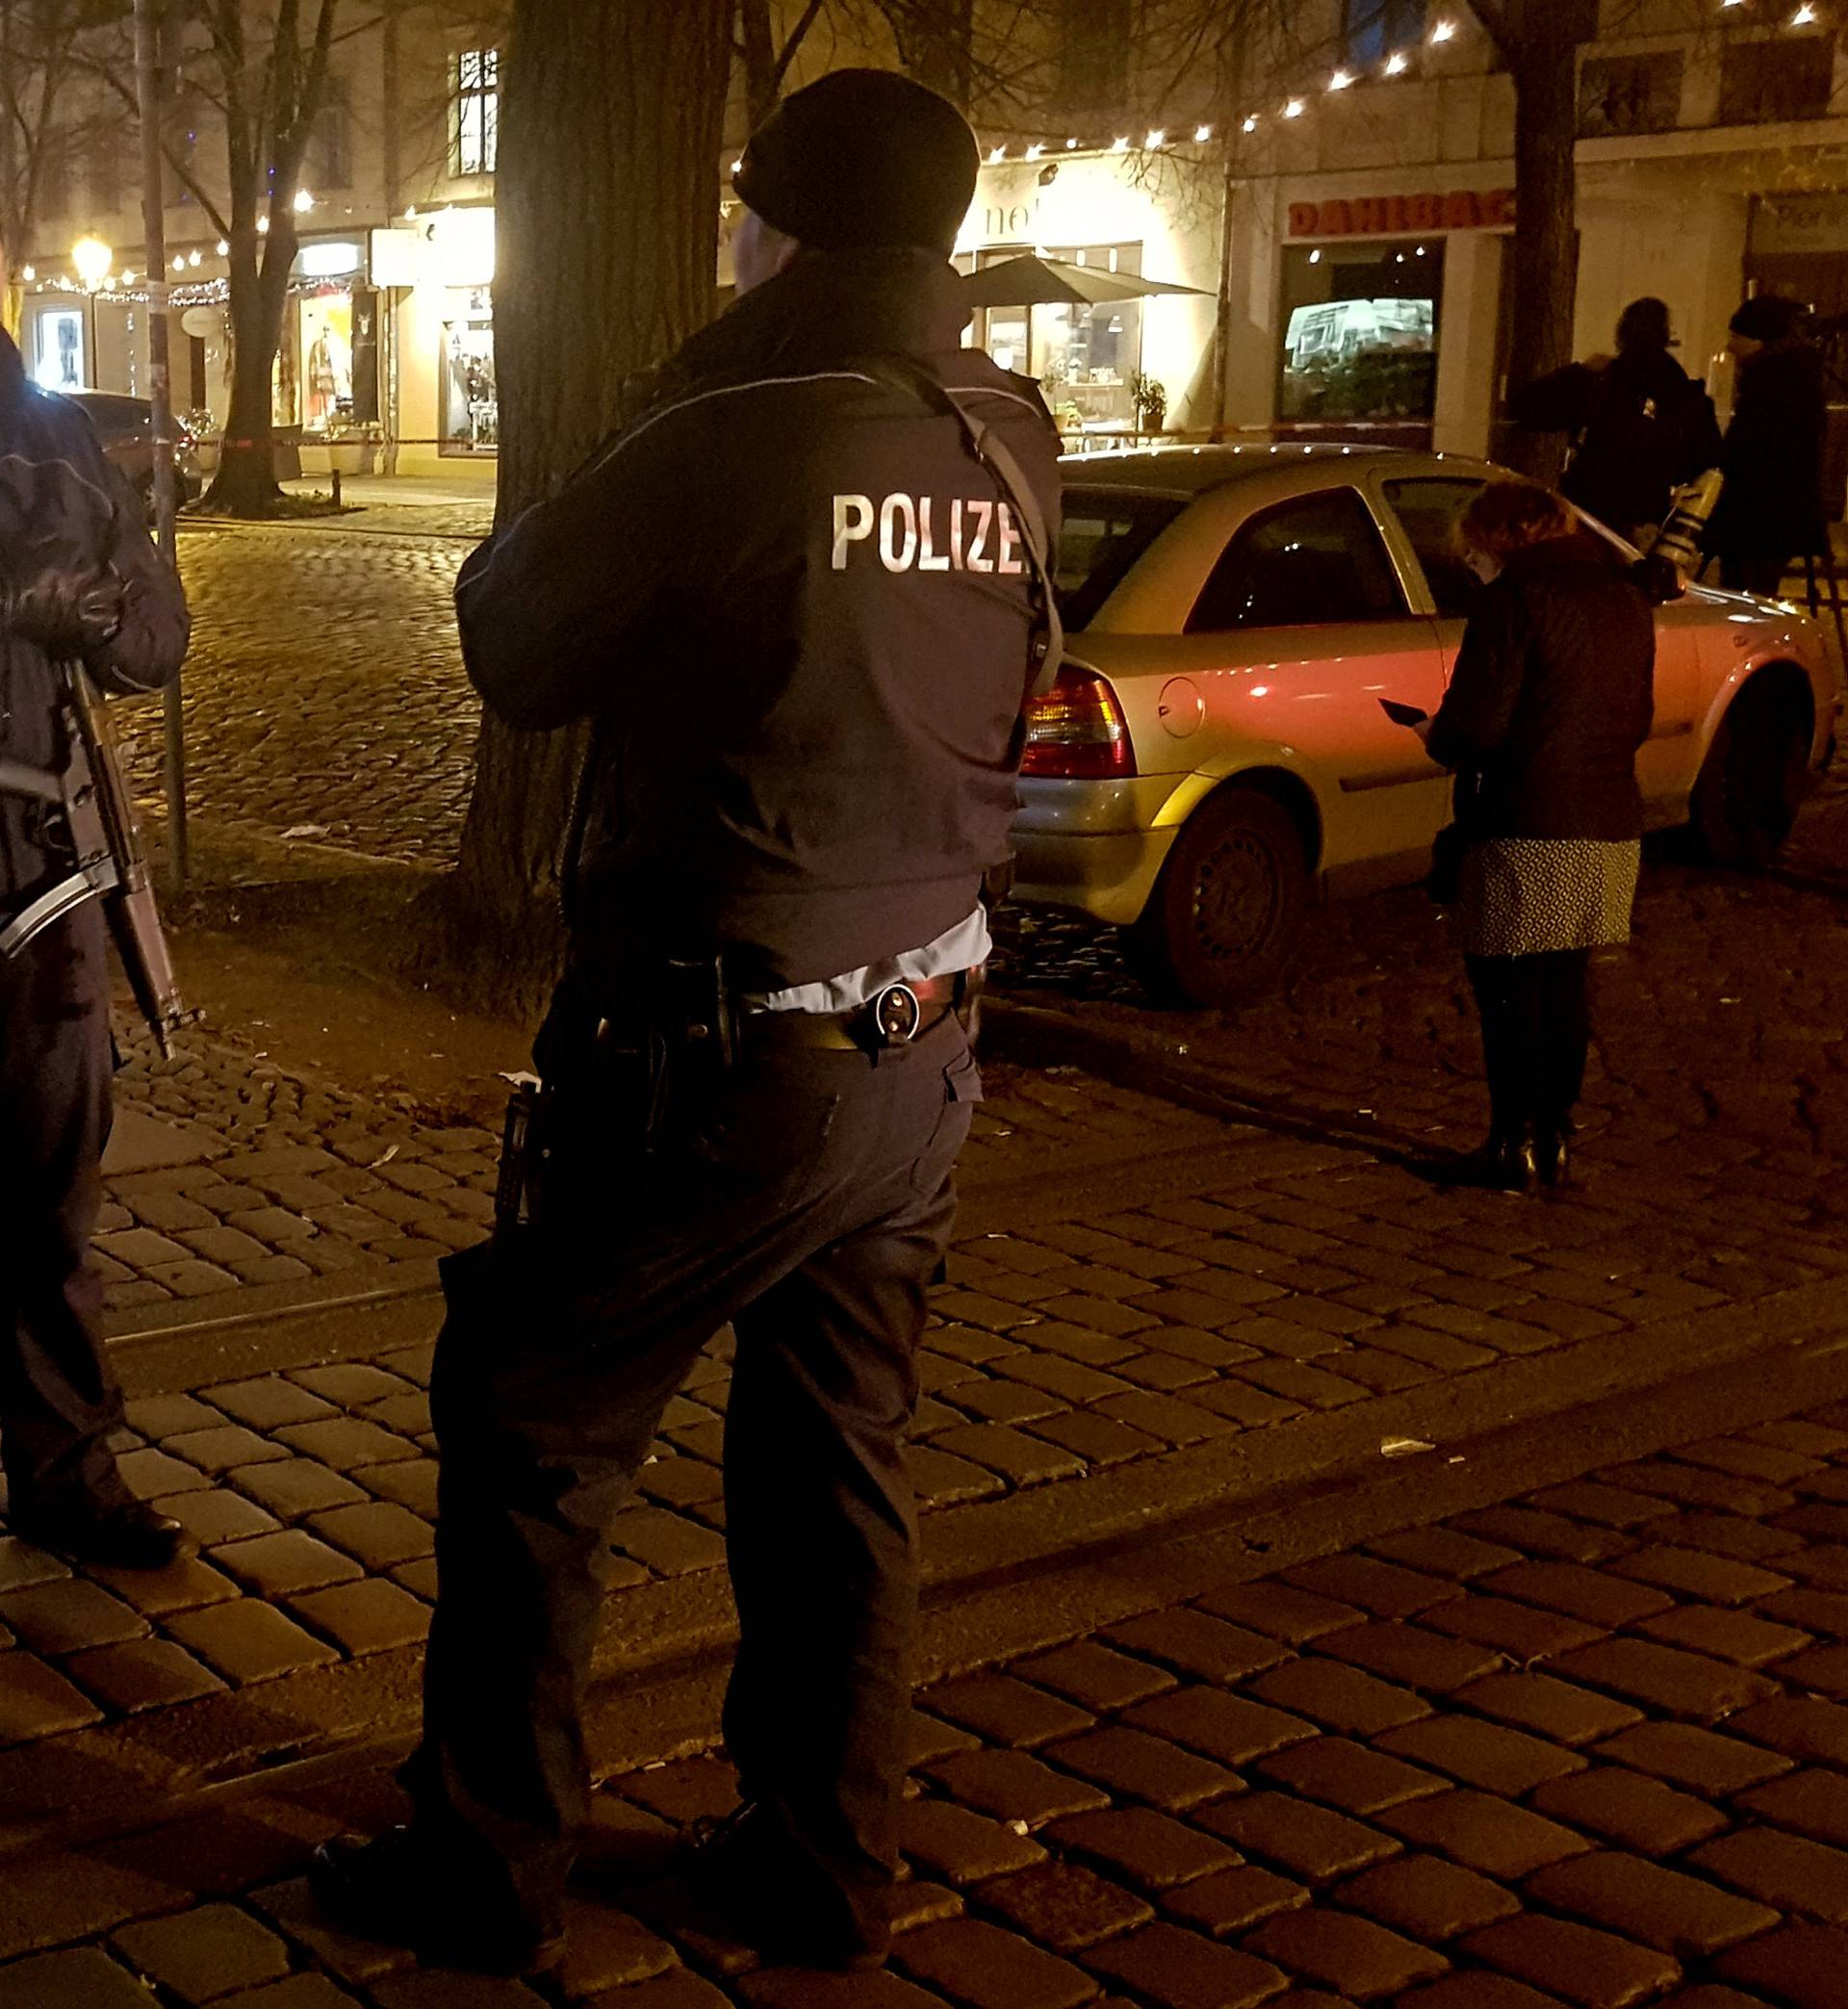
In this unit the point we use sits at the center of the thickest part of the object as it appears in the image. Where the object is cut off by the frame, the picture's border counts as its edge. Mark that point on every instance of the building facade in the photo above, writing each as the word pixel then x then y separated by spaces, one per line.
pixel 1327 250
pixel 388 330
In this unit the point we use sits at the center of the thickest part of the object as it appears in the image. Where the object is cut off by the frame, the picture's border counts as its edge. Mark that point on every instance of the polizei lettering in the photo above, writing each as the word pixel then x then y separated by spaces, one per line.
pixel 929 533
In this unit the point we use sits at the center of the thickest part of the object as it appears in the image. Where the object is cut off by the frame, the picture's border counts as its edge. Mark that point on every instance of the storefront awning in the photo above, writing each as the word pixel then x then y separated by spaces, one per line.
pixel 1032 281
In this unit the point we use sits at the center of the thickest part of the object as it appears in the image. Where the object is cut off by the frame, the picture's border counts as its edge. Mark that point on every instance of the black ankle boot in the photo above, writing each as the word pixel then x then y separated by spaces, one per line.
pixel 1505 1164
pixel 1552 1157
pixel 120 1534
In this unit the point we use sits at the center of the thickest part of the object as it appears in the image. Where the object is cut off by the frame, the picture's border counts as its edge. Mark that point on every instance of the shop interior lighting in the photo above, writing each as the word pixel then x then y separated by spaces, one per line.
pixel 1341 80
pixel 179 262
pixel 262 226
pixel 1120 144
pixel 1445 30
pixel 198 258
pixel 1252 123
pixel 305 202
pixel 1293 109
pixel 1202 134
pixel 997 155
pixel 1398 64
pixel 225 249
pixel 1803 16
pixel 1034 151
pixel 1070 146
pixel 1157 137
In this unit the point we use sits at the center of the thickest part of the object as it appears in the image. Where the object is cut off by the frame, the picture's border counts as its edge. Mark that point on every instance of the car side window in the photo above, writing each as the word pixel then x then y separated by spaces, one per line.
pixel 1429 511
pixel 1310 562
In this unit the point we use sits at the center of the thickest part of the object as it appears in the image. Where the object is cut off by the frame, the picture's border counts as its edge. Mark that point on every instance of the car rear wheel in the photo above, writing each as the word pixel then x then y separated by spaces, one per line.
pixel 1754 778
pixel 1227 912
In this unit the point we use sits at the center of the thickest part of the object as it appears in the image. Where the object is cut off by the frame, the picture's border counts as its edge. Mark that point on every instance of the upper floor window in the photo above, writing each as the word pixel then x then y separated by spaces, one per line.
pixel 1095 56
pixel 104 165
pixel 1372 30
pixel 330 163
pixel 477 111
pixel 55 191
pixel 1765 83
pixel 1629 94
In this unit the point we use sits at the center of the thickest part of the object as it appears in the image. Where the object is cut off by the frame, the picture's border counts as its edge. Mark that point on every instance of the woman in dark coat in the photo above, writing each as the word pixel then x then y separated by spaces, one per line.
pixel 1551 698
pixel 1771 510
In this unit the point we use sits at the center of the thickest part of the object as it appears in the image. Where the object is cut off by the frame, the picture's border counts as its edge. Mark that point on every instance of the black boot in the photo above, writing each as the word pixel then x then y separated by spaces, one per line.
pixel 403 1891
pixel 1505 1164
pixel 124 1533
pixel 753 1884
pixel 1552 1155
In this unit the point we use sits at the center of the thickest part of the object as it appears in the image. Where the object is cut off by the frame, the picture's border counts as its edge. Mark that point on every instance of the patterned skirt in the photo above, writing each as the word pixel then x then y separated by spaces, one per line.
pixel 1524 896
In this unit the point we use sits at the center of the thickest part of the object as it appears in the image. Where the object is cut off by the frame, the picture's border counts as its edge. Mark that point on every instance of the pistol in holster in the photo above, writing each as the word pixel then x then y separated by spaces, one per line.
pixel 617 1064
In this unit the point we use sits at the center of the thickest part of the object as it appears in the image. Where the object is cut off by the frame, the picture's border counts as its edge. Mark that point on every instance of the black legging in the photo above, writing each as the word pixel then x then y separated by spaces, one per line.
pixel 1536 1027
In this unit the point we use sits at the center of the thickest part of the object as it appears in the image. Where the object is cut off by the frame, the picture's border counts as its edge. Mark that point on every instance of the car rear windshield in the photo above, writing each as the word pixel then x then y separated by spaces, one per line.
pixel 1106 530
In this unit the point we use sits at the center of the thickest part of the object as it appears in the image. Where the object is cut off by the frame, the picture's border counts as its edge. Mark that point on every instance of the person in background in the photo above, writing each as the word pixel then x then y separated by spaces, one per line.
pixel 80 580
pixel 1552 696
pixel 1642 426
pixel 1771 510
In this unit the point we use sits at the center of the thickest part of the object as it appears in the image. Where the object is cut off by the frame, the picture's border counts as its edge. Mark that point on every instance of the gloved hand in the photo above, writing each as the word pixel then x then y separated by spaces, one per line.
pixel 69 615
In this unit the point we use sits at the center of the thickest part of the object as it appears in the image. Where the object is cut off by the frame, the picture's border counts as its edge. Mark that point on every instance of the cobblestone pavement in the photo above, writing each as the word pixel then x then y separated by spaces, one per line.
pixel 324 692
pixel 1724 1028
pixel 1220 1282
pixel 1588 1747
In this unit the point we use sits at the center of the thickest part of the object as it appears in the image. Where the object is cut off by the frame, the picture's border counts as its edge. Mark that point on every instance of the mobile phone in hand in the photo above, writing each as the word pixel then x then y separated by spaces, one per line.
pixel 1402 714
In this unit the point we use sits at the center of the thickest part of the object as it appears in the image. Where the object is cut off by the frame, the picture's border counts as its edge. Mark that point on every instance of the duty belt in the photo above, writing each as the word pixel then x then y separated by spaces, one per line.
pixel 892 1018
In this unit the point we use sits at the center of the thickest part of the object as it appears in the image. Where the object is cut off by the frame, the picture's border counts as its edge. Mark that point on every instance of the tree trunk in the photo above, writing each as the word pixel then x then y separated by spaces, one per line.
pixel 1546 234
pixel 758 57
pixel 608 206
pixel 245 482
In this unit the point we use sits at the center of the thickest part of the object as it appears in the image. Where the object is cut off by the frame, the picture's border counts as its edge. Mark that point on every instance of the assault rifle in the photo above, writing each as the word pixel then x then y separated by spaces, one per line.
pixel 89 818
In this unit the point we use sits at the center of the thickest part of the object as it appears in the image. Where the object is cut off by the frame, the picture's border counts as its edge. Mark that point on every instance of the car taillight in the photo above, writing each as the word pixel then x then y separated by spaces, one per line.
pixel 1077 731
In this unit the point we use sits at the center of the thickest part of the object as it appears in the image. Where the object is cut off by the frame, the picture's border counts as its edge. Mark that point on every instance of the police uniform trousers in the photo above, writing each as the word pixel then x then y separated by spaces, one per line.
pixel 806 1198
pixel 59 1401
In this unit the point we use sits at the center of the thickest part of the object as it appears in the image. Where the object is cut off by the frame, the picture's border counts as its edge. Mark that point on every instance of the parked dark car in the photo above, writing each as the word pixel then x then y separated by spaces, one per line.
pixel 125 426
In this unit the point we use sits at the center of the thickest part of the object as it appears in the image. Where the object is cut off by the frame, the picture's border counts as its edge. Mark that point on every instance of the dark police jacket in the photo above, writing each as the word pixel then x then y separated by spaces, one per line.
pixel 1552 697
pixel 1772 505
pixel 1644 425
pixel 798 610
pixel 65 510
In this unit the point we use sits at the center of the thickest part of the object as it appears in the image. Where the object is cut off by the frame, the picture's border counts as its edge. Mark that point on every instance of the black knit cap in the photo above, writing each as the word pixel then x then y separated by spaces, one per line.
pixel 1768 318
pixel 863 158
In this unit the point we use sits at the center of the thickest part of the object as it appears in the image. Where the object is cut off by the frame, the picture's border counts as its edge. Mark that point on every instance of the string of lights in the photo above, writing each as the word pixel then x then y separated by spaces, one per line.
pixel 1398 63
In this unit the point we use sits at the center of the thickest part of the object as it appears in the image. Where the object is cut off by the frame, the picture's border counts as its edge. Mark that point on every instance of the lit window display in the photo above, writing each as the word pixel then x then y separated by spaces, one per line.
pixel 1361 325
pixel 326 359
pixel 471 396
pixel 1085 357
pixel 61 359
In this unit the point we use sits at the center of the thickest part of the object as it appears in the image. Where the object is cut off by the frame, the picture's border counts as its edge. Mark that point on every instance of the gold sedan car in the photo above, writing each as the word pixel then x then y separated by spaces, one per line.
pixel 1214 758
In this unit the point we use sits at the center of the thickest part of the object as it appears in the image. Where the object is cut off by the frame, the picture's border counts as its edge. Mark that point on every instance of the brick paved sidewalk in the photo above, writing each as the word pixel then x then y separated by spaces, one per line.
pixel 1143 1299
pixel 1585 1748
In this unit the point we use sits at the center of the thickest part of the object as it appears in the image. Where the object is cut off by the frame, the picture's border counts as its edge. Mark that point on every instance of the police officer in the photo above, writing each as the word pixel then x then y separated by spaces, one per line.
pixel 799 609
pixel 80 579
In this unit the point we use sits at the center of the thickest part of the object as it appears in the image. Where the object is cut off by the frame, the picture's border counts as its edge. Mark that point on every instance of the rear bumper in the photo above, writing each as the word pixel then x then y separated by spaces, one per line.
pixel 1094 846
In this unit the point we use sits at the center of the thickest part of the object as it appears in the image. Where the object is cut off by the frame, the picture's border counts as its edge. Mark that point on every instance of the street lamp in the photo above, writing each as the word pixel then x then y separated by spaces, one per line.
pixel 92 259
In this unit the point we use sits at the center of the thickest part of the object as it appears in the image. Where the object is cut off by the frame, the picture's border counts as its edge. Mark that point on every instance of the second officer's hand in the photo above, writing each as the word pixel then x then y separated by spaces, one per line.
pixel 69 615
